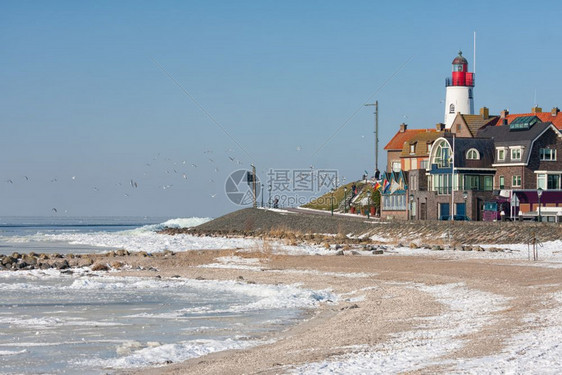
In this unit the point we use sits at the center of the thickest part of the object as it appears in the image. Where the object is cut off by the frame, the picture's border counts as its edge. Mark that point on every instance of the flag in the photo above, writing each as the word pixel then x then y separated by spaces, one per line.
pixel 385 185
pixel 394 186
pixel 376 185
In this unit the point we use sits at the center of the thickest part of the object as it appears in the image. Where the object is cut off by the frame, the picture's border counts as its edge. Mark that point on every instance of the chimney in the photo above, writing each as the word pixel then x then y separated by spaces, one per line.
pixel 403 127
pixel 504 113
pixel 485 113
pixel 440 126
pixel 554 111
pixel 536 109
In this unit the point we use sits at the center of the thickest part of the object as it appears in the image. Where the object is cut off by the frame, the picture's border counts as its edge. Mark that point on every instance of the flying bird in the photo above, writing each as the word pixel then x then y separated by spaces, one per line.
pixel 213 195
pixel 54 210
pixel 10 181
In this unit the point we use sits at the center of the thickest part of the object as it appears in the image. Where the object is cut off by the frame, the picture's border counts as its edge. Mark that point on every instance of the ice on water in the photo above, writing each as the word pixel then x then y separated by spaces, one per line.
pixel 58 323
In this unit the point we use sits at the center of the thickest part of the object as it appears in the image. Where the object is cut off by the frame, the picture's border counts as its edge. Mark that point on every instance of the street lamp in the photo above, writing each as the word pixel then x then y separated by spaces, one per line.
pixel 411 206
pixel 345 199
pixel 465 197
pixel 539 193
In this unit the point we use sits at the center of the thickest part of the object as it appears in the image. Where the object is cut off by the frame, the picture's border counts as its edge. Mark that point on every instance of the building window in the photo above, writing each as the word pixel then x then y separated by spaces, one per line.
pixel 502 182
pixel 548 181
pixel 470 93
pixel 442 183
pixel 516 154
pixel 473 154
pixel 442 155
pixel 396 167
pixel 516 181
pixel 541 181
pixel 394 202
pixel 547 154
pixel 424 164
pixel 488 183
pixel 413 148
pixel 414 183
pixel 501 154
pixel 452 108
pixel 553 181
pixel 472 183
pixel 428 149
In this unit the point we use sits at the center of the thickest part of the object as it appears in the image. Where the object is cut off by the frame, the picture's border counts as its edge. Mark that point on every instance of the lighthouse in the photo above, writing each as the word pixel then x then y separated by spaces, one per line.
pixel 459 97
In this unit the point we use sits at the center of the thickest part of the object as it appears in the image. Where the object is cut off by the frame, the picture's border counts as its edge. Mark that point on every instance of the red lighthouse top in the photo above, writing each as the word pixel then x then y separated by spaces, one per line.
pixel 461 75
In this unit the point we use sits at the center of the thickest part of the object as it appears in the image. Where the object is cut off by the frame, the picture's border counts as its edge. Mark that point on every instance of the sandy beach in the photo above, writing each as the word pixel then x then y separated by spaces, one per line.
pixel 391 309
pixel 382 297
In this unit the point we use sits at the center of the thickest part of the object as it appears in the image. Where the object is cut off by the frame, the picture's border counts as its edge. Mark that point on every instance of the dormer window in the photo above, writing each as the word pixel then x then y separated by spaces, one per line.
pixel 516 154
pixel 412 148
pixel 472 154
pixel 501 154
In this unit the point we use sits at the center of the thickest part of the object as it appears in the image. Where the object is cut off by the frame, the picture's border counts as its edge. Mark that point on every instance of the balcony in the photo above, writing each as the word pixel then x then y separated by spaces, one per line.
pixel 443 190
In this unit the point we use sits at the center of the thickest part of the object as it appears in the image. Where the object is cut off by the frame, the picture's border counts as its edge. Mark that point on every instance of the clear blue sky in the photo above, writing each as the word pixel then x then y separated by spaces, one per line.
pixel 85 108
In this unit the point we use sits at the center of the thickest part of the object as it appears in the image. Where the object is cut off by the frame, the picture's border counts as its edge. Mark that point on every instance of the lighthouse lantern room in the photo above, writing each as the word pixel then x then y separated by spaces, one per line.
pixel 459 98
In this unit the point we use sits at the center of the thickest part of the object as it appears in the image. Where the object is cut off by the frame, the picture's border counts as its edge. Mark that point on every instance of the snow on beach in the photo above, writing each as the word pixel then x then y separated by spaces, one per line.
pixel 147 239
pixel 467 311
pixel 549 253
pixel 537 349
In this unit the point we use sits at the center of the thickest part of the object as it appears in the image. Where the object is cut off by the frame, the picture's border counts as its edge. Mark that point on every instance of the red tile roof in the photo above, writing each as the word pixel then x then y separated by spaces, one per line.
pixel 543 116
pixel 397 142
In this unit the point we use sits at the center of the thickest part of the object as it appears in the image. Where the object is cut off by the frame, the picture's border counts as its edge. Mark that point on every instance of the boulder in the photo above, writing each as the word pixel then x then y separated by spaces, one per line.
pixel 117 264
pixel 100 267
pixel 61 264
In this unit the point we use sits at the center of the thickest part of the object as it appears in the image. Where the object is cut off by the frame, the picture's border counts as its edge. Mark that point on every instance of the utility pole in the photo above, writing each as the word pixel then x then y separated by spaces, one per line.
pixel 376 104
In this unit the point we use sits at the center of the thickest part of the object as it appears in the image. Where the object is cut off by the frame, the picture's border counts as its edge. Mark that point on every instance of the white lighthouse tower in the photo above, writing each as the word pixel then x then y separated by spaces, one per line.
pixel 459 98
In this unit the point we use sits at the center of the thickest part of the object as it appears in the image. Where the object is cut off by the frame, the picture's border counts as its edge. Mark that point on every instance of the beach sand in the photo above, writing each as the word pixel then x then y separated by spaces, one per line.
pixel 380 297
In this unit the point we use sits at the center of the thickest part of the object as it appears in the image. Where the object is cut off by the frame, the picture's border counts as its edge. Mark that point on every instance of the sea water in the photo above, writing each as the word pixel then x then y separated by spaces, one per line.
pixel 93 322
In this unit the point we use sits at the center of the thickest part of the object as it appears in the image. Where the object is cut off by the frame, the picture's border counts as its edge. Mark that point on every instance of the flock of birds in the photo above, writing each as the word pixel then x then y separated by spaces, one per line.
pixel 159 169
